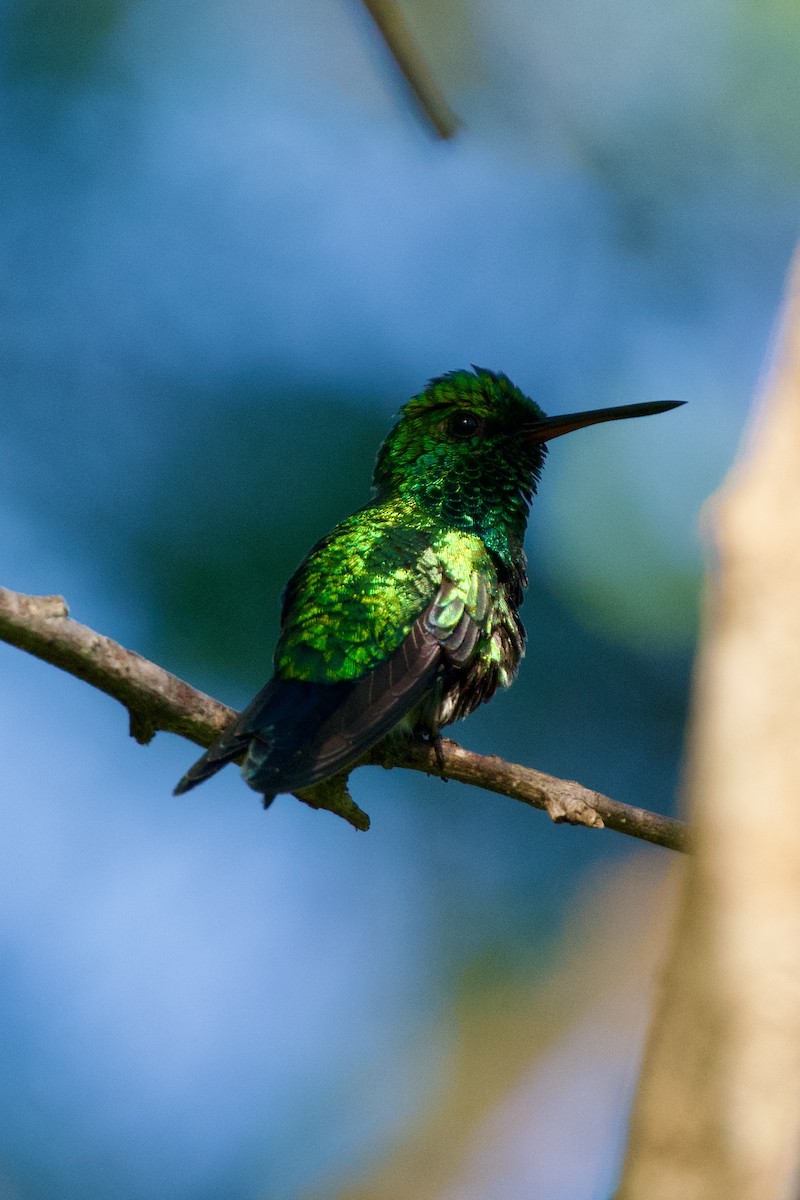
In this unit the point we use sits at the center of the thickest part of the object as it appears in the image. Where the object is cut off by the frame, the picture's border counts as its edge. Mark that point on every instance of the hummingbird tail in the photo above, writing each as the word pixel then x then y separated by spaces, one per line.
pixel 269 735
pixel 215 758
pixel 230 745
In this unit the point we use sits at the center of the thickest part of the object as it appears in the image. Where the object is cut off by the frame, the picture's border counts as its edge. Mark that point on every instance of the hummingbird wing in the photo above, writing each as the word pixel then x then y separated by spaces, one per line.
pixel 335 731
pixel 297 732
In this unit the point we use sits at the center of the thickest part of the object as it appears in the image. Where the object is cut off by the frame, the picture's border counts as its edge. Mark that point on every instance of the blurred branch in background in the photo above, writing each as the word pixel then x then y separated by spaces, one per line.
pixel 157 700
pixel 718 1108
pixel 416 72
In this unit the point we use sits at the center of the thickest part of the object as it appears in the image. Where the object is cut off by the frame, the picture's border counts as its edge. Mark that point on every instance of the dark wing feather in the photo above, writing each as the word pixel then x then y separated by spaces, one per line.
pixel 361 715
pixel 281 706
pixel 296 733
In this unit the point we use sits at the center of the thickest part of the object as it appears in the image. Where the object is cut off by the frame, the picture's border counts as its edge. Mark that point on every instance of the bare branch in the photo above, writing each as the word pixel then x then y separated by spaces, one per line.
pixel 157 700
pixel 417 74
pixel 154 698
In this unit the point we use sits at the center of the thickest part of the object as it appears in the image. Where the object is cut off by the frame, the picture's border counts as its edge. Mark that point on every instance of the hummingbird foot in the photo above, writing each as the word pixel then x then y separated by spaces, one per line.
pixel 436 742
pixel 434 739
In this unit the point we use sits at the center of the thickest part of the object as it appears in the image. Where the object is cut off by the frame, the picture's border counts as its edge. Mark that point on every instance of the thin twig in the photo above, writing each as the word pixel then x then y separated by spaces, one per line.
pixel 157 700
pixel 416 72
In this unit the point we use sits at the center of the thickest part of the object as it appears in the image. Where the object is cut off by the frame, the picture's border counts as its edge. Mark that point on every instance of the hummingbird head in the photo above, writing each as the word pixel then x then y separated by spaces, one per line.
pixel 470 448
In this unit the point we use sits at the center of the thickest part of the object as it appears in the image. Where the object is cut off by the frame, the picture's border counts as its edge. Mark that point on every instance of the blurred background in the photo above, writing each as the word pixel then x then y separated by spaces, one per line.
pixel 231 248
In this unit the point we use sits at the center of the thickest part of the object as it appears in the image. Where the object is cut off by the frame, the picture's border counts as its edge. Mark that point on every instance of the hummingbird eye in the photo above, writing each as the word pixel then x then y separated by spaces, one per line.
pixel 463 425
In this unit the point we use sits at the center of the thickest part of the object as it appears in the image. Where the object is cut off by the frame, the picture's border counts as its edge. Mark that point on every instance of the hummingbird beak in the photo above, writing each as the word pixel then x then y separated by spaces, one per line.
pixel 553 427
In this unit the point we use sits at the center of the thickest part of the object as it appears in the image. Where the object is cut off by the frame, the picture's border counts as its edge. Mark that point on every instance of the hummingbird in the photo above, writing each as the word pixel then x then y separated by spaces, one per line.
pixel 405 617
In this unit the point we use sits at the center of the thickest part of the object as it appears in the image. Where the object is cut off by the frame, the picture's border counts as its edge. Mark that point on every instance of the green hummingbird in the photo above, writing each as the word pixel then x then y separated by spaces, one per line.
pixel 405 617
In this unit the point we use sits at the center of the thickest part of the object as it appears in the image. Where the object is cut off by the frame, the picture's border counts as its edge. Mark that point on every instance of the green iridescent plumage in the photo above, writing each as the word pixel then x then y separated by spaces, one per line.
pixel 404 618
pixel 357 595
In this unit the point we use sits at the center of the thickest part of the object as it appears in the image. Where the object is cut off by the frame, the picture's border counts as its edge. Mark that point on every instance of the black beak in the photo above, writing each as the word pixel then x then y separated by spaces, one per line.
pixel 553 427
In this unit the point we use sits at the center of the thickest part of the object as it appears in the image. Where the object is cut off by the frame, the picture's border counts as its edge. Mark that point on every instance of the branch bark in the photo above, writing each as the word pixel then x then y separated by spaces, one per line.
pixel 718 1108
pixel 416 72
pixel 157 700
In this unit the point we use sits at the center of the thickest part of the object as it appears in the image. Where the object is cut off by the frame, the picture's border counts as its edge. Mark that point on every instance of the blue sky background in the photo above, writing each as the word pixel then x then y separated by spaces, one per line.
pixel 230 251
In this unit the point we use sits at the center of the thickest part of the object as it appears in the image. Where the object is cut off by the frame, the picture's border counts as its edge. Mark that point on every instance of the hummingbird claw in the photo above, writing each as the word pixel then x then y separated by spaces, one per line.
pixel 435 740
